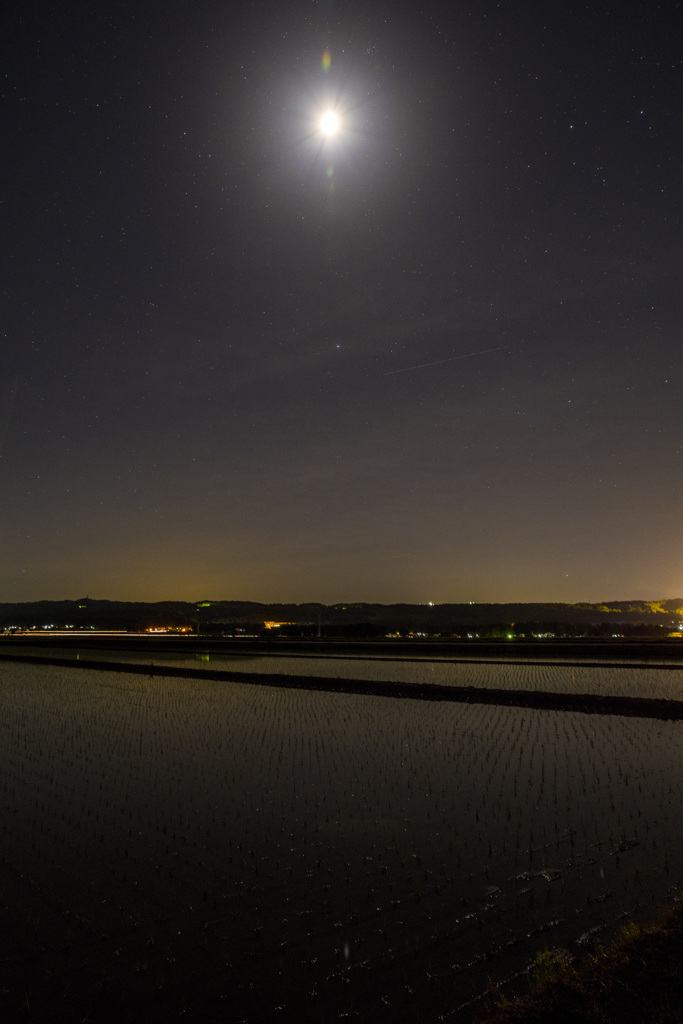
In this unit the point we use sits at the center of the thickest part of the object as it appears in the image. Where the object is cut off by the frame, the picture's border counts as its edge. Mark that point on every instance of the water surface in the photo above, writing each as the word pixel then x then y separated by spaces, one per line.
pixel 334 855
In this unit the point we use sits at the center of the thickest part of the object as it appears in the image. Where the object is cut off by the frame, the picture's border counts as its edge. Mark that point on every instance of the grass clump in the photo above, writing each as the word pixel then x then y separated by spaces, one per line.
pixel 551 964
pixel 638 979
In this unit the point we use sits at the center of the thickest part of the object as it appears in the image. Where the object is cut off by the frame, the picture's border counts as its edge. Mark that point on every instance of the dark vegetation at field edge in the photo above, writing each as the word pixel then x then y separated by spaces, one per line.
pixel 636 980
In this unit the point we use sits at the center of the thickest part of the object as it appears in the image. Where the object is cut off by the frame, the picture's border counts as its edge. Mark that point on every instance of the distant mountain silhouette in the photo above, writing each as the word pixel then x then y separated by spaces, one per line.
pixel 341 618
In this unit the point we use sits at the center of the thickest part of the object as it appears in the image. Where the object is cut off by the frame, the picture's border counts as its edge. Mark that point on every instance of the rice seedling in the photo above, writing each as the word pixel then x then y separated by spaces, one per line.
pixel 294 826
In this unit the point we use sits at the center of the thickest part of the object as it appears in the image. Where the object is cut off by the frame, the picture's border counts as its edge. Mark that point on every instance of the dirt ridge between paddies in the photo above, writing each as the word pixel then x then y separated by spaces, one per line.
pixel 638 979
pixel 586 703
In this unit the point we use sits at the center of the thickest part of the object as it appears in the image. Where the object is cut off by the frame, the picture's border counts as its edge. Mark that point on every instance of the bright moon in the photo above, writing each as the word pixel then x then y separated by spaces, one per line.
pixel 329 123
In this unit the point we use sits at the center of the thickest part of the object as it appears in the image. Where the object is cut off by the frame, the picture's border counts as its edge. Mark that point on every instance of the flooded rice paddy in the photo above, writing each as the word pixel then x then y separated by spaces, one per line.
pixel 653 681
pixel 191 847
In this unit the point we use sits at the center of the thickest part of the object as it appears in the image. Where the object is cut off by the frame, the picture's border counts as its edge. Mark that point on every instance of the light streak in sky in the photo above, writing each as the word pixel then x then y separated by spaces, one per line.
pixel 466 355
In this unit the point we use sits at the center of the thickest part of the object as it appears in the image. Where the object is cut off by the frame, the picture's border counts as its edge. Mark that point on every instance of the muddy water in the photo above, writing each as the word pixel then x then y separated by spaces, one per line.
pixel 235 849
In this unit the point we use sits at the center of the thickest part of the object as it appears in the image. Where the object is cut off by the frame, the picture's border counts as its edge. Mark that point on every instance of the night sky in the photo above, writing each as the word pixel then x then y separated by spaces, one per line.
pixel 433 357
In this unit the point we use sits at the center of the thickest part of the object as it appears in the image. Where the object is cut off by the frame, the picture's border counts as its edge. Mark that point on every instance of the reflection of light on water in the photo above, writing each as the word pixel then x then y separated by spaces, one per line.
pixel 203 657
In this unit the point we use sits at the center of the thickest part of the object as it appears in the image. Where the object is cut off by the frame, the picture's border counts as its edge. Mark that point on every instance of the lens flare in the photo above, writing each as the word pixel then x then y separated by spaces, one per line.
pixel 326 61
